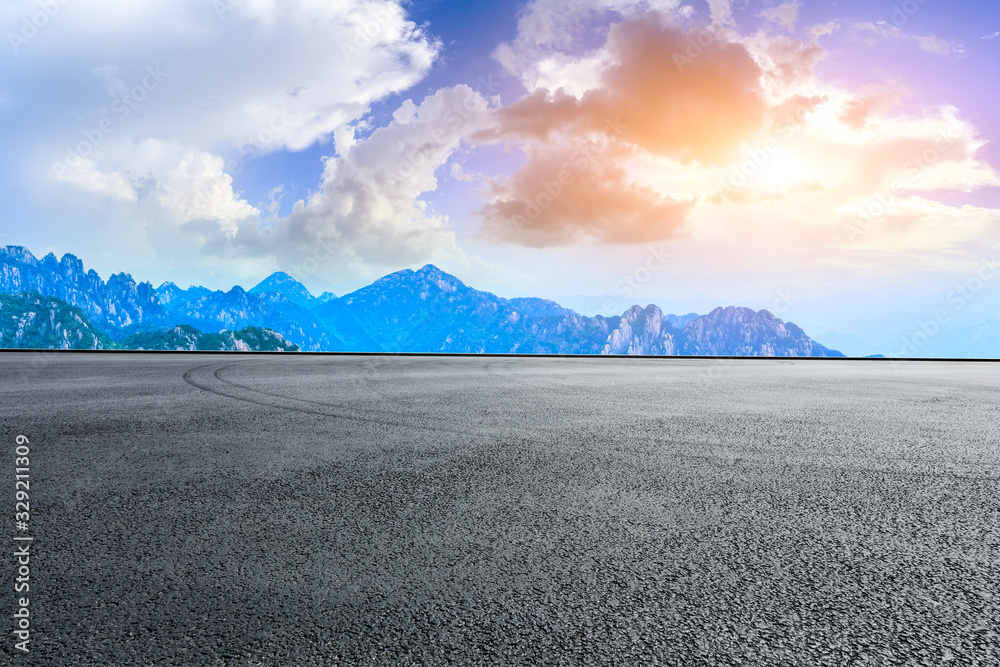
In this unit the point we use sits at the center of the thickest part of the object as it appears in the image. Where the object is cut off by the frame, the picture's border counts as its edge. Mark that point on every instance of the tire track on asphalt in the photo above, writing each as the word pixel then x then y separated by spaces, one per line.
pixel 368 382
pixel 207 378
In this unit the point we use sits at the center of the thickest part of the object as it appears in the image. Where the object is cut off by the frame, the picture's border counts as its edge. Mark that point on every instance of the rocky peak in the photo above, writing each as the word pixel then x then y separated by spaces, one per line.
pixel 282 283
pixel 642 331
pixel 18 254
pixel 435 276
pixel 118 303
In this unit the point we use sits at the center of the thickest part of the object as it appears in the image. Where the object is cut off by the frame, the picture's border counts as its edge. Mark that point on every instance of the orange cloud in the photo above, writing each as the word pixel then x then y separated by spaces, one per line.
pixel 689 134
pixel 690 95
pixel 568 194
pixel 871 101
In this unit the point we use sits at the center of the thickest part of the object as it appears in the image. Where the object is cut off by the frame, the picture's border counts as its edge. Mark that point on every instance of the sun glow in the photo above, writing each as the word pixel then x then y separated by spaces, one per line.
pixel 782 169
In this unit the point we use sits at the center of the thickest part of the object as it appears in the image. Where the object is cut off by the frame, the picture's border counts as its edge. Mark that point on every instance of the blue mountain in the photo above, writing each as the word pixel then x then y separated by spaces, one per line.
pixel 280 282
pixel 114 305
pixel 432 311
pixel 210 310
pixel 426 310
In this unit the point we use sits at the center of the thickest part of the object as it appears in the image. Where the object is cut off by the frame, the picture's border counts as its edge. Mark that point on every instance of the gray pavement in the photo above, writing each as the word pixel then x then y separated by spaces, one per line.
pixel 258 510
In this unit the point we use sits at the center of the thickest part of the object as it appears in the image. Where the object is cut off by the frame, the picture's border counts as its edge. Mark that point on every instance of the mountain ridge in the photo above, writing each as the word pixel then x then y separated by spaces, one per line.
pixel 423 310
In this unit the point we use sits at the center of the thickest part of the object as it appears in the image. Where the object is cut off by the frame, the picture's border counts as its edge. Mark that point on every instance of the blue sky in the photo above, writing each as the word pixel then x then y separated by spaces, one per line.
pixel 215 142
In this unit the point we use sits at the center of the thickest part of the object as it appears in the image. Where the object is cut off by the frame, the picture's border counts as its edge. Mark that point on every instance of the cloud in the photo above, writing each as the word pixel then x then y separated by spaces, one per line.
pixel 88 177
pixel 574 194
pixel 786 62
pixel 909 233
pixel 721 11
pixel 160 104
pixel 929 43
pixel 168 180
pixel 628 159
pixel 850 151
pixel 641 120
pixel 554 38
pixel 737 122
pixel 871 101
pixel 656 97
pixel 368 214
pixel 784 15
pixel 657 94
pixel 991 36
pixel 229 74
pixel 170 184
pixel 822 29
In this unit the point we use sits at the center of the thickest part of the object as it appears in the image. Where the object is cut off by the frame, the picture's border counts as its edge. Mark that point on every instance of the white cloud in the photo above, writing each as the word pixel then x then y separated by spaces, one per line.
pixel 721 11
pixel 86 176
pixel 368 214
pixel 158 103
pixel 547 50
pixel 929 43
pixel 315 65
pixel 784 15
pixel 822 29
pixel 574 75
pixel 170 182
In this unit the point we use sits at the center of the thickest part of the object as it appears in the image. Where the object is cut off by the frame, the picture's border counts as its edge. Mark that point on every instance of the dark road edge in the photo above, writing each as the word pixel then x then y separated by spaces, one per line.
pixel 507 355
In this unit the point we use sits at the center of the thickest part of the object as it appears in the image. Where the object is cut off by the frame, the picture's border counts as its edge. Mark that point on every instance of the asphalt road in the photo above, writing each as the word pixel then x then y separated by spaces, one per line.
pixel 248 510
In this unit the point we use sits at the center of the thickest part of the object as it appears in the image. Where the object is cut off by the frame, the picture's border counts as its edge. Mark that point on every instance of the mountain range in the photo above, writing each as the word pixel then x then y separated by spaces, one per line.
pixel 426 310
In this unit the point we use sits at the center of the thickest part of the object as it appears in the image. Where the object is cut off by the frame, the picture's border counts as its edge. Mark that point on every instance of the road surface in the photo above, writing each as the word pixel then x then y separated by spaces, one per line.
pixel 371 510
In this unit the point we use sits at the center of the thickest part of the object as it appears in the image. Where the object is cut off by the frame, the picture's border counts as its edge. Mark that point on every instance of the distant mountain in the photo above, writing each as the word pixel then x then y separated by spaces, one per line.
pixel 282 283
pixel 426 310
pixel 30 320
pixel 744 332
pixel 237 308
pixel 113 305
pixel 121 307
pixel 539 308
pixel 423 311
pixel 186 337
pixel 678 321
pixel 644 331
pixel 431 311
pixel 724 331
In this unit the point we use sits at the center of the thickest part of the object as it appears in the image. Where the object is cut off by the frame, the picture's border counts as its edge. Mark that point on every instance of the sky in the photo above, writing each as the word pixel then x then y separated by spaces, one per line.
pixel 834 162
